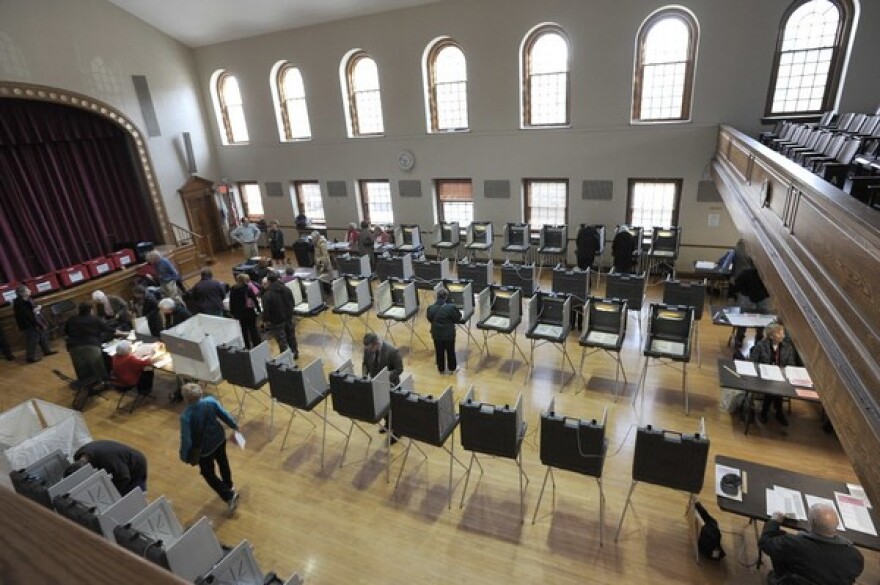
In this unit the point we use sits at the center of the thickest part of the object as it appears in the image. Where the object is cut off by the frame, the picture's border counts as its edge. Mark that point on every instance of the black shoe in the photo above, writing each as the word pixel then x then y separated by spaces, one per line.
pixel 393 440
pixel 382 430
pixel 51 352
pixel 763 417
pixel 780 416
pixel 10 357
pixel 32 360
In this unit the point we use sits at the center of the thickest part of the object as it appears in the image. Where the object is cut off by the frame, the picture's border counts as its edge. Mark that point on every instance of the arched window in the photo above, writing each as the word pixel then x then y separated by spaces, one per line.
pixel 446 87
pixel 362 95
pixel 810 53
pixel 290 103
pixel 545 77
pixel 229 108
pixel 666 56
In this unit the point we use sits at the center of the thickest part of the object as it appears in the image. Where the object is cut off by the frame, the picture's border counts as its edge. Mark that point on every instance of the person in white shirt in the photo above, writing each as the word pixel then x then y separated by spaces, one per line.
pixel 247 235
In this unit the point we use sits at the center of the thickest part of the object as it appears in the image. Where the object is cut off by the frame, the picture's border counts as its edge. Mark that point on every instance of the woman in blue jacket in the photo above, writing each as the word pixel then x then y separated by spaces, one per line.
pixel 203 440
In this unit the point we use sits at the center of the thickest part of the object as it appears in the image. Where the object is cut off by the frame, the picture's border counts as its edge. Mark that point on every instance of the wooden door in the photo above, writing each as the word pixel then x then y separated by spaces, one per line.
pixel 202 213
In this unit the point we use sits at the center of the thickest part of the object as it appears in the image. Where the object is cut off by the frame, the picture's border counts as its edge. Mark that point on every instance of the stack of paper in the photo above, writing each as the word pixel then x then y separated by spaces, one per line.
pixel 744 368
pixel 859 492
pixel 704 265
pixel 798 376
pixel 854 513
pixel 771 372
pixel 785 500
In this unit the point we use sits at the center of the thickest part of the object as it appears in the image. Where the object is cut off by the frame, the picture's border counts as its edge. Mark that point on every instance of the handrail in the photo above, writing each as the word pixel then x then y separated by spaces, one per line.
pixel 202 243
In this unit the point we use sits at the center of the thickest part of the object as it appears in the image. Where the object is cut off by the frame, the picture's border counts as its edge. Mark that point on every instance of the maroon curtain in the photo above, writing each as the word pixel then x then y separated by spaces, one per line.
pixel 69 188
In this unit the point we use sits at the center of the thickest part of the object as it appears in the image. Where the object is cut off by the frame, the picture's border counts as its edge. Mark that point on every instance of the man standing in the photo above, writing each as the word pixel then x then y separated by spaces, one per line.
pixel 127 466
pixel 208 294
pixel 247 235
pixel 379 354
pixel 168 275
pixel 278 306
pixel 32 323
pixel 818 555
pixel 443 316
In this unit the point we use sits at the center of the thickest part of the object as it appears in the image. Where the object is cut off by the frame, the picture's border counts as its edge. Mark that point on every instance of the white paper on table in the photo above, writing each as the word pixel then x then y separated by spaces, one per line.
pixel 854 513
pixel 859 492
pixel 163 362
pixel 721 471
pixel 789 502
pixel 798 376
pixel 238 439
pixel 813 500
pixel 745 368
pixel 705 265
pixel 797 498
pixel 771 372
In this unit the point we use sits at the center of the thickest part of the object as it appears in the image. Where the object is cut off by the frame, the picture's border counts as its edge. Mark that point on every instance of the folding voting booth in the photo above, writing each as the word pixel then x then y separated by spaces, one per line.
pixel 576 445
pixel 447 236
pixel 499 312
pixel 351 300
pixel 481 274
pixel 244 369
pixel 240 567
pixel 394 267
pixel 552 246
pixel 517 240
pixel 193 345
pixel 424 419
pixel 493 430
pixel 408 238
pixel 480 238
pixel 429 272
pixel 687 294
pixel 668 343
pixel 308 300
pixel 354 265
pixel 574 282
pixel 35 428
pixel 398 302
pixel 604 330
pixel 521 276
pixel 362 399
pixel 665 243
pixel 672 460
pixel 34 481
pixel 629 288
pixel 548 315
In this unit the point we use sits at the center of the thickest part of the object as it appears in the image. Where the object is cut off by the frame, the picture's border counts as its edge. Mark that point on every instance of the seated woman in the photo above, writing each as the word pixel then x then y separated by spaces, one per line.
pixel 113 309
pixel 131 371
pixel 778 350
pixel 85 333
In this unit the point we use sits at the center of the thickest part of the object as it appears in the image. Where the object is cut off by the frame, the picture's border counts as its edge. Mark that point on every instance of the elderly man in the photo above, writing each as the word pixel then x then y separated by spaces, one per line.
pixel 247 235
pixel 168 275
pixel 170 313
pixel 113 309
pixel 816 556
pixel 208 294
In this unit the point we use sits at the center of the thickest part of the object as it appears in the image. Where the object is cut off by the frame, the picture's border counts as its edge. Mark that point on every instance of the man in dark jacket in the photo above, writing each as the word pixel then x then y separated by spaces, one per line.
pixel 816 556
pixel 127 466
pixel 85 333
pixel 32 323
pixel 278 306
pixel 777 350
pixel 208 294
pixel 752 297
pixel 444 316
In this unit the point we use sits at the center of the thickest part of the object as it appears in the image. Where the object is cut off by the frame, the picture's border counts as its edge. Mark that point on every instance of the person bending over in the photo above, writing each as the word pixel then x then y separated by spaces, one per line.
pixel 126 465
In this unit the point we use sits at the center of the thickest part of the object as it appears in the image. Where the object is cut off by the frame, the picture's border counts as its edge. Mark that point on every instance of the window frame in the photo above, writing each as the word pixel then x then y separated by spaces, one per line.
pixel 224 122
pixel 441 216
pixel 430 66
pixel 300 204
pixel 526 76
pixel 836 69
pixel 285 130
pixel 240 185
pixel 364 196
pixel 351 60
pixel 527 197
pixel 687 98
pixel 676 210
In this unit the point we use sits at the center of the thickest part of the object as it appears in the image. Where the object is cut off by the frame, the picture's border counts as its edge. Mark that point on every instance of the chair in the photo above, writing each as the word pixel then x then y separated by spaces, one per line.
pixel 665 243
pixel 398 302
pixel 58 314
pixel 521 276
pixel 672 460
pixel 500 313
pixel 604 330
pixel 517 240
pixel 549 315
pixel 480 238
pixel 424 419
pixel 630 288
pixel 493 430
pixel 576 445
pixel 351 300
pixel 362 399
pixel 552 246
pixel 481 274
pixel 244 369
pixel 687 294
pixel 302 390
pixel 669 343
pixel 447 237
pixel 408 239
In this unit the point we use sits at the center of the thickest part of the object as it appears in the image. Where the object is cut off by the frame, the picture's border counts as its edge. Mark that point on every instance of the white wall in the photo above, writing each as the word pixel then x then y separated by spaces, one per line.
pixel 61 43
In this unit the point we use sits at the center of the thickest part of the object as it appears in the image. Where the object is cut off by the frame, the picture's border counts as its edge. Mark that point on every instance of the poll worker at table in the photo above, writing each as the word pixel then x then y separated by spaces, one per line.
pixel 169 313
pixel 132 371
pixel 126 465
pixel 817 556
pixel 143 300
pixel 113 309
pixel 775 349
pixel 247 234
pixel 208 294
pixel 85 333
pixel 444 316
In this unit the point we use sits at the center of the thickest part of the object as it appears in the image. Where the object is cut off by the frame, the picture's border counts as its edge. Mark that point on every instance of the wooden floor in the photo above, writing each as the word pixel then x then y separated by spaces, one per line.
pixel 347 525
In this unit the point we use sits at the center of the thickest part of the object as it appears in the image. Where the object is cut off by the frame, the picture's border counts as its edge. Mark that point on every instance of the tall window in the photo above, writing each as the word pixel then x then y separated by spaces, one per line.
pixel 308 201
pixel 653 203
pixel 252 199
pixel 363 98
pixel 546 202
pixel 666 55
pixel 446 86
pixel 229 108
pixel 810 52
pixel 545 77
pixel 376 202
pixel 455 201
pixel 290 103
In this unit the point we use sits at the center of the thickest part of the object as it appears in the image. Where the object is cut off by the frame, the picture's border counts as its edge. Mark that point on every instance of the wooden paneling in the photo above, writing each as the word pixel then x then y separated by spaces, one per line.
pixel 818 252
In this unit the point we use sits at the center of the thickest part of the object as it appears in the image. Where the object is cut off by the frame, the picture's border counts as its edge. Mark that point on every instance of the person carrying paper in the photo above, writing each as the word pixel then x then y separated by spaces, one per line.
pixel 777 350
pixel 818 555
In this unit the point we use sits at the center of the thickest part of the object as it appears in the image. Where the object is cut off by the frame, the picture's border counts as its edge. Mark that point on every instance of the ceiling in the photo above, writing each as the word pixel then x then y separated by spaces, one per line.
pixel 204 22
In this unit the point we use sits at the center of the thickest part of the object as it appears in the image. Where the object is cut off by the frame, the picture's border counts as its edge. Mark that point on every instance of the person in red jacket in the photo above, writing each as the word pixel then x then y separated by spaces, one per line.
pixel 132 371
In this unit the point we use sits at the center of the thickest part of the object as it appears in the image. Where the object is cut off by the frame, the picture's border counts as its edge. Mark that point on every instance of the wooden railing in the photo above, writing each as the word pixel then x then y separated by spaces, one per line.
pixel 184 236
pixel 818 252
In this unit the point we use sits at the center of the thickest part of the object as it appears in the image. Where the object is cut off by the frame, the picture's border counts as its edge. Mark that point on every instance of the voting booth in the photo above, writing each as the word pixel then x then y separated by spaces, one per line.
pixel 604 330
pixel 394 267
pixel 398 302
pixel 480 238
pixel 408 238
pixel 548 321
pixel 354 265
pixel 447 236
pixel 351 300
pixel 499 312
pixel 517 239
pixel 193 345
pixel 481 274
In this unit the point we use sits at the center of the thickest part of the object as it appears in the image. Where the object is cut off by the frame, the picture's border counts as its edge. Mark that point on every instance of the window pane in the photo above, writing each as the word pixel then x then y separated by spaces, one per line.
pixel 230 90
pixel 450 65
pixel 546 202
pixel 252 199
pixel 377 197
pixel 456 201
pixel 237 124
pixel 231 103
pixel 460 211
pixel 667 41
pixel 549 54
pixel 365 75
pixel 366 96
pixel 310 202
pixel 653 204
pixel 548 80
pixel 665 55
pixel 294 101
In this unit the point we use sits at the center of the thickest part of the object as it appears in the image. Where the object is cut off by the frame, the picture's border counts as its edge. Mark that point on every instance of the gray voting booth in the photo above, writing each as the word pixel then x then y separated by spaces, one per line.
pixel 499 312
pixel 447 238
pixel 351 300
pixel 548 322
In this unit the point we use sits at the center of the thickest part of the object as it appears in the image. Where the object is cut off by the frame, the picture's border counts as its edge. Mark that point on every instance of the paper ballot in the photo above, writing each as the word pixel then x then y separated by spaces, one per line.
pixel 854 513
pixel 744 368
pixel 238 439
pixel 705 265
pixel 785 500
pixel 771 372
pixel 798 376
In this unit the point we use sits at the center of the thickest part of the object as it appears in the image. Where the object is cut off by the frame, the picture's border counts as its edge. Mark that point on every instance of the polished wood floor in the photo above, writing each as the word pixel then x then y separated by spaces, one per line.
pixel 347 525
